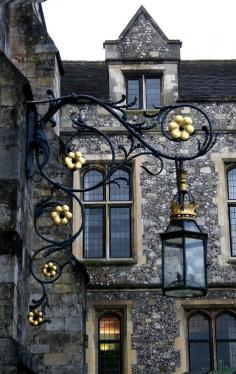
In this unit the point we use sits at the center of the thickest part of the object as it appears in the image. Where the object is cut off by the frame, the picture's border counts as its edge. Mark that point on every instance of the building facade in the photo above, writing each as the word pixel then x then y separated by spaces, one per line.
pixel 119 322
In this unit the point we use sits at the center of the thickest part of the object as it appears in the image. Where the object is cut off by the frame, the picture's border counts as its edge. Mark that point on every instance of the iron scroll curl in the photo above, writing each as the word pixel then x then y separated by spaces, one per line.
pixel 57 253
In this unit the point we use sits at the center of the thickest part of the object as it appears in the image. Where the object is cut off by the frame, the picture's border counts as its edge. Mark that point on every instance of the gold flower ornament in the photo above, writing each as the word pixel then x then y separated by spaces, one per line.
pixel 35 317
pixel 181 128
pixel 61 215
pixel 49 270
pixel 74 160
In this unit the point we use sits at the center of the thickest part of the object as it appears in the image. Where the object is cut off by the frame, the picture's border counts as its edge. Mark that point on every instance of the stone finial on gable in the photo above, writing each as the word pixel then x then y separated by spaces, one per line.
pixel 142 39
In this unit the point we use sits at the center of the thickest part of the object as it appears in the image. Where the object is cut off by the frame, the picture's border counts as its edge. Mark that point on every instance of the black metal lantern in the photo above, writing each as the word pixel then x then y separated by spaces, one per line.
pixel 184 249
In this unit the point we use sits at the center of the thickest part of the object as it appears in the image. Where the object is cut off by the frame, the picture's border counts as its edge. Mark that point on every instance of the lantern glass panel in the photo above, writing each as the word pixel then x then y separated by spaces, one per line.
pixel 195 265
pixel 173 262
pixel 186 225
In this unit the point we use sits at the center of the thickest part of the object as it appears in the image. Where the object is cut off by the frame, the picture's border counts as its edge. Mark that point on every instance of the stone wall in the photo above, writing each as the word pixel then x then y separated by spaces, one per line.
pixel 157 193
pixel 29 53
pixel 142 40
pixel 156 334
pixel 33 51
pixel 155 337
pixel 4 29
pixel 16 216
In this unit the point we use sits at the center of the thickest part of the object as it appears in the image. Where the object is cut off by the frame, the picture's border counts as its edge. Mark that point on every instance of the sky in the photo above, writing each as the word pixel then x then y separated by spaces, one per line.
pixel 207 28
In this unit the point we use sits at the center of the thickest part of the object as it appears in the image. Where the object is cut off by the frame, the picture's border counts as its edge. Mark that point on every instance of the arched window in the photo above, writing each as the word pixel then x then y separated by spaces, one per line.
pixel 108 211
pixel 91 178
pixel 226 341
pixel 109 344
pixel 212 341
pixel 231 183
pixel 200 358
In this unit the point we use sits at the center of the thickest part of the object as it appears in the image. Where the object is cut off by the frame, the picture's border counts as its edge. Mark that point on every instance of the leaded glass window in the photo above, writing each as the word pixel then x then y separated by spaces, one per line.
pixel 212 342
pixel 108 211
pixel 146 89
pixel 153 92
pixel 133 91
pixel 199 344
pixel 226 341
pixel 109 344
pixel 231 181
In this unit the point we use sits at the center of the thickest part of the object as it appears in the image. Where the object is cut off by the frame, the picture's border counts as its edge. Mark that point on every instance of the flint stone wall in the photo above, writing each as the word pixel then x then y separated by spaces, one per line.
pixel 59 347
pixel 142 40
pixel 156 326
pixel 157 193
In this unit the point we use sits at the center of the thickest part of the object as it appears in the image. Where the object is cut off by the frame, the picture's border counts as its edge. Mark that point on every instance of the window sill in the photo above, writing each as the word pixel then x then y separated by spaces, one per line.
pixel 108 262
pixel 232 260
pixel 141 111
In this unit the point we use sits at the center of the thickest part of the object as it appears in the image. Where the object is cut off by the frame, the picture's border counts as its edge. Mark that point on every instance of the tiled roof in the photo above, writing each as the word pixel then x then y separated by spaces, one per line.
pixel 207 80
pixel 199 80
pixel 85 77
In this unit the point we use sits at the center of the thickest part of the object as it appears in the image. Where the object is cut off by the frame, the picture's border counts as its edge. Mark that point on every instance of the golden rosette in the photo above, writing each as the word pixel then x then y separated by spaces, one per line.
pixel 35 317
pixel 49 270
pixel 181 127
pixel 61 215
pixel 74 160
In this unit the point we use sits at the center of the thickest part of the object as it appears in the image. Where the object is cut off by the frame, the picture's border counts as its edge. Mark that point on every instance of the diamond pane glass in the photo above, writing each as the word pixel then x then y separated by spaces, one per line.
pixel 198 327
pixel 232 219
pixel 120 232
pixel 133 91
pixel 91 178
pixel 109 345
pixel 226 341
pixel 232 184
pixel 199 344
pixel 109 328
pixel 153 92
pixel 94 233
pixel 120 190
pixel 199 356
pixel 226 327
pixel 226 355
pixel 109 358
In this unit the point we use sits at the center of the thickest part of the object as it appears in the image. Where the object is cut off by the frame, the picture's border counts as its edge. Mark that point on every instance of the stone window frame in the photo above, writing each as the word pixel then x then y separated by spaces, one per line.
pixel 137 226
pixel 141 76
pixel 167 70
pixel 106 204
pixel 212 315
pixel 94 311
pixel 222 162
pixel 186 308
pixel 230 202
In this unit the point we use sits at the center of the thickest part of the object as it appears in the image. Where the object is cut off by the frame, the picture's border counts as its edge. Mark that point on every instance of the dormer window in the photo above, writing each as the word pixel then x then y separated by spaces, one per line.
pixel 146 88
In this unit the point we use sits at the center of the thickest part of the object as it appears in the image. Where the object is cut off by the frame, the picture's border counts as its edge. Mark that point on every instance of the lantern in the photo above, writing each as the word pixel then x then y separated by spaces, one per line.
pixel 184 248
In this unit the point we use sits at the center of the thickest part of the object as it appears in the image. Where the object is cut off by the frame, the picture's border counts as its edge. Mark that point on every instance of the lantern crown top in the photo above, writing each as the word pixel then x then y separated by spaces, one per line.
pixel 183 210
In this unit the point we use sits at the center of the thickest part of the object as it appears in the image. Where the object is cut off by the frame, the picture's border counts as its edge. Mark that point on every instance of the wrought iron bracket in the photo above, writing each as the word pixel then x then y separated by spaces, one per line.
pixel 175 131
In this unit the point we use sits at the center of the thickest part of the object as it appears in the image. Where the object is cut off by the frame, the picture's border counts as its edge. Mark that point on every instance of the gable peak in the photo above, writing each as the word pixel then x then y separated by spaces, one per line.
pixel 142 11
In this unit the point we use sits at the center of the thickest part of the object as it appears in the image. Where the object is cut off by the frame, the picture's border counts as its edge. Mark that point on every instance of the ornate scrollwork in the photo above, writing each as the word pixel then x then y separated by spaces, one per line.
pixel 170 122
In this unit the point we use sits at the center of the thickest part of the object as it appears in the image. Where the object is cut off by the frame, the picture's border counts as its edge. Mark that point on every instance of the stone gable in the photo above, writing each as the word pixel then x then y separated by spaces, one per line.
pixel 142 39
